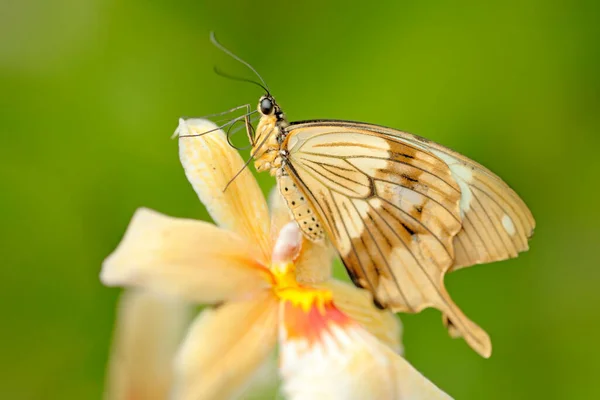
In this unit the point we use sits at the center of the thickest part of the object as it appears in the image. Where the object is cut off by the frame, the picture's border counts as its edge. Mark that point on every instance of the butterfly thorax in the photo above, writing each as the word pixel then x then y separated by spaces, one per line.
pixel 267 149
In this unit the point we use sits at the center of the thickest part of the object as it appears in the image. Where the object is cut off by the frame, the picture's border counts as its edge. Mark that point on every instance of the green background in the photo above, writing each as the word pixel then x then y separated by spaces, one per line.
pixel 90 92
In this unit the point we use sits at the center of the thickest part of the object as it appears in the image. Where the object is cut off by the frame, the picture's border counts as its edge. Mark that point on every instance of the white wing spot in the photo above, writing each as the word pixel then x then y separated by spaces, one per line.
pixel 507 223
pixel 465 196
pixel 462 175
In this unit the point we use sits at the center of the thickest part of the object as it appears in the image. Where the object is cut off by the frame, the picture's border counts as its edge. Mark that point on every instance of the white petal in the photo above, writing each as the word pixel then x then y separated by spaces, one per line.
pixel 358 305
pixel 210 163
pixel 338 359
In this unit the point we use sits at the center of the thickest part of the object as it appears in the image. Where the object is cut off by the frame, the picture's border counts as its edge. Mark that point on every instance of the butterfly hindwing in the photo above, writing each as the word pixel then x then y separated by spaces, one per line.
pixel 392 210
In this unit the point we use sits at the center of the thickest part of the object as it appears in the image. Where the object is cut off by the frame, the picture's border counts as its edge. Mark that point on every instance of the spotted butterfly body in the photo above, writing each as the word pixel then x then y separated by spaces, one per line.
pixel 300 208
pixel 400 210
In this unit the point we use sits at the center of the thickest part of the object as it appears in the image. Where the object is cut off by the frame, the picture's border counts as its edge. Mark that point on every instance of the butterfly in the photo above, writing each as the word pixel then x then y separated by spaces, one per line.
pixel 400 210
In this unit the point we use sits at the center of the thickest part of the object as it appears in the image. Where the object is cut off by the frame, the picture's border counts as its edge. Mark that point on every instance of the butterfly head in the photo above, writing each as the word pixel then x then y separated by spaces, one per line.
pixel 268 107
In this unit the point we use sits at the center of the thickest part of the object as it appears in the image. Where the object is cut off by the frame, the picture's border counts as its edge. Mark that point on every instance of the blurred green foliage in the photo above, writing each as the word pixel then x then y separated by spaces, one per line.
pixel 91 92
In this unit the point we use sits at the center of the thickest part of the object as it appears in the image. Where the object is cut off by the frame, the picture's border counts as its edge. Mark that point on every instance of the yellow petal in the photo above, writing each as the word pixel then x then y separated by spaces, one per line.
pixel 225 349
pixel 341 360
pixel 147 333
pixel 315 260
pixel 358 305
pixel 210 163
pixel 191 259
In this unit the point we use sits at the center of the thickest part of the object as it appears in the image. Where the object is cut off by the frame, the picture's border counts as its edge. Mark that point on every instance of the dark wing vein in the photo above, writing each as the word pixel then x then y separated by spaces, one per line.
pixel 416 221
pixel 372 287
pixel 521 223
pixel 388 160
pixel 422 194
pixel 383 257
pixel 491 222
pixel 305 166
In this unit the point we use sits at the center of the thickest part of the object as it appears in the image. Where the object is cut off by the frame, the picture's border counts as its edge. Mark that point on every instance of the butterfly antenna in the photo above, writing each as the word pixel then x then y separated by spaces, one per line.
pixel 237 78
pixel 219 113
pixel 214 41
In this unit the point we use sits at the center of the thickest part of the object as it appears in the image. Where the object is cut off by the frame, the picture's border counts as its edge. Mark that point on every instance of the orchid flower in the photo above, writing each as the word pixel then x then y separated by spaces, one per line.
pixel 269 288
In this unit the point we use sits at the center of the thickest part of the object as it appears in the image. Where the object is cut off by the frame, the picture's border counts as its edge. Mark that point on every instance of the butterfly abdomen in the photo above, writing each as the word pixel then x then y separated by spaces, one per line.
pixel 300 208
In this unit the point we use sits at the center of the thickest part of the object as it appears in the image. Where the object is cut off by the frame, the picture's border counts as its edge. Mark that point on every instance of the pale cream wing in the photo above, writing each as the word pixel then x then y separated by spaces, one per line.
pixel 390 208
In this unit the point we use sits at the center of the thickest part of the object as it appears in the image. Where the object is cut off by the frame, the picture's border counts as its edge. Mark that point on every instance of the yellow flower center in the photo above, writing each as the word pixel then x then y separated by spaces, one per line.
pixel 288 289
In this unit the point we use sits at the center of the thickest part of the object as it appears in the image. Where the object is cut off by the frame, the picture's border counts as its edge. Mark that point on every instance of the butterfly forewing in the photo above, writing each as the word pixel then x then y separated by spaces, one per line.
pixel 496 222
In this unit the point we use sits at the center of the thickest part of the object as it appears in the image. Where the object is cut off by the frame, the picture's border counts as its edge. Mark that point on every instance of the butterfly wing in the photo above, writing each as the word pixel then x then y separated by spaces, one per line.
pixel 391 207
pixel 496 222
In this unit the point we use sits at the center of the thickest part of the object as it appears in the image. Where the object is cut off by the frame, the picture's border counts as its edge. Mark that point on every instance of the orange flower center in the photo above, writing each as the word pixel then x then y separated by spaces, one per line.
pixel 289 290
pixel 308 312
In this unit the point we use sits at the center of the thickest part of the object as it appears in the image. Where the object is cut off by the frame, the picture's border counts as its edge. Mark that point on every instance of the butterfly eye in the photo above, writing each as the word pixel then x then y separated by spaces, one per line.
pixel 266 106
